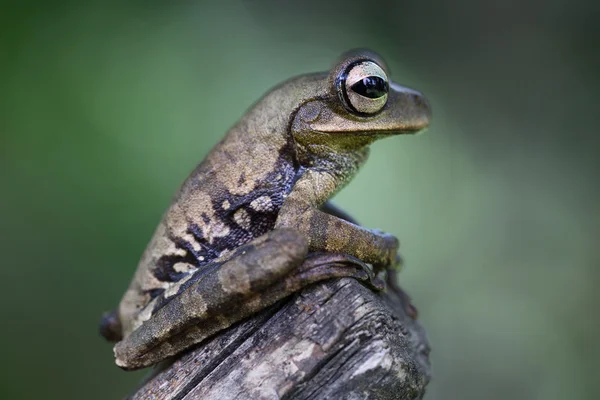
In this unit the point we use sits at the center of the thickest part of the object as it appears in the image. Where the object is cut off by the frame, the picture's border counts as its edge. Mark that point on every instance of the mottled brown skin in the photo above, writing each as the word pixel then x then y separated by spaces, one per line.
pixel 237 234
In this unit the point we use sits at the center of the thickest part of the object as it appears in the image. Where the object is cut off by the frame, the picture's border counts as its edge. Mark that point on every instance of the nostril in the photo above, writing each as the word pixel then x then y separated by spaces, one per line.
pixel 421 102
pixel 418 99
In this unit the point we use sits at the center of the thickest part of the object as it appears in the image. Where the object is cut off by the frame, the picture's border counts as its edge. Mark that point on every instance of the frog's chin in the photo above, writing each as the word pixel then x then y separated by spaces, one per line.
pixel 349 141
pixel 389 122
pixel 361 137
pixel 373 134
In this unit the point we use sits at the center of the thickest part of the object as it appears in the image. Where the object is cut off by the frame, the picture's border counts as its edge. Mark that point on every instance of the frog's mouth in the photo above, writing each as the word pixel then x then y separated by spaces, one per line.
pixel 406 111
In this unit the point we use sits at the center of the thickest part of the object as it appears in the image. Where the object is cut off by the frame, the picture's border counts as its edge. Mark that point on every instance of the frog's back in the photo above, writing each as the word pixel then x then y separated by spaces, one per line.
pixel 233 196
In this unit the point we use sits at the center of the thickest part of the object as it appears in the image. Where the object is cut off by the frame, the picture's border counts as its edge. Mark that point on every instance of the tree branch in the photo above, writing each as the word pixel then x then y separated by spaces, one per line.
pixel 333 340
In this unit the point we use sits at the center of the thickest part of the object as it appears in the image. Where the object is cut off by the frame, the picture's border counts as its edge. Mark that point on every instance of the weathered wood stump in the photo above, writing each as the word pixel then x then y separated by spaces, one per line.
pixel 333 340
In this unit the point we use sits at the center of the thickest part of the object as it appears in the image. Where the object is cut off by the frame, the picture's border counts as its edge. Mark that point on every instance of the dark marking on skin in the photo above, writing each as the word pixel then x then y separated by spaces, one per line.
pixel 189 248
pixel 205 218
pixel 164 267
pixel 155 292
pixel 260 221
pixel 207 252
pixel 242 179
pixel 283 176
pixel 164 270
pixel 237 202
pixel 263 221
pixel 197 275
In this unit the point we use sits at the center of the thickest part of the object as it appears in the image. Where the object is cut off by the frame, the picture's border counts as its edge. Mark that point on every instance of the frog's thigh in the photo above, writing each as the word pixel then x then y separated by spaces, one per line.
pixel 211 304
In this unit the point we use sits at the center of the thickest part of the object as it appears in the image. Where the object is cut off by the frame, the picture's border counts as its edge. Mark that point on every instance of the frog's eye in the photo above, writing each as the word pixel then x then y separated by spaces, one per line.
pixel 365 87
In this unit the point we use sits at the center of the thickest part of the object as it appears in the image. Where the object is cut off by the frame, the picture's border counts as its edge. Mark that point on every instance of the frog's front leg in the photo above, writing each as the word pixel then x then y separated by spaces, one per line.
pixel 326 232
pixel 391 273
pixel 334 210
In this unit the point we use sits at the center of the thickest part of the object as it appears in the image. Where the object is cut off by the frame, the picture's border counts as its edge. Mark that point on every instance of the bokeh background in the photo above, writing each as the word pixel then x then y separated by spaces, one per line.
pixel 106 106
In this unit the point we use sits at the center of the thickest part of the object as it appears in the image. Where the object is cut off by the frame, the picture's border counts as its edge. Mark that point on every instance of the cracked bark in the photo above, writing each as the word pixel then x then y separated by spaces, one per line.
pixel 333 340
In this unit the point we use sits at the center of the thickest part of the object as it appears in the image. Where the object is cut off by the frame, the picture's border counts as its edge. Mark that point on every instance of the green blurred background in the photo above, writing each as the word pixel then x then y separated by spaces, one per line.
pixel 106 106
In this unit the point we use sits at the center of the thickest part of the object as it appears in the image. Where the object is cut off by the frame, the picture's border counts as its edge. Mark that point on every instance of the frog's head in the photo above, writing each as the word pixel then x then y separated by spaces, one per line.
pixel 355 104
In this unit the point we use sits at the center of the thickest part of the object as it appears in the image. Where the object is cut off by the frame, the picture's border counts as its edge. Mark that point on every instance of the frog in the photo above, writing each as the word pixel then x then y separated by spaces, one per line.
pixel 254 222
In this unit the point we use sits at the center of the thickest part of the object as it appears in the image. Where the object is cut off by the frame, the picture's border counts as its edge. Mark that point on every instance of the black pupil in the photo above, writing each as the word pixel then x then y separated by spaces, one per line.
pixel 372 87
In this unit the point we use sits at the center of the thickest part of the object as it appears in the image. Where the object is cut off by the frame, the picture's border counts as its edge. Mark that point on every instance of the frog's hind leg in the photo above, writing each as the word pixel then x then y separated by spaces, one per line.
pixel 256 276
pixel 317 267
pixel 215 300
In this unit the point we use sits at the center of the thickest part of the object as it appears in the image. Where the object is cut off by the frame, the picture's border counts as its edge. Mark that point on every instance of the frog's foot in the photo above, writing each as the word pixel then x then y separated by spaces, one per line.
pixel 322 265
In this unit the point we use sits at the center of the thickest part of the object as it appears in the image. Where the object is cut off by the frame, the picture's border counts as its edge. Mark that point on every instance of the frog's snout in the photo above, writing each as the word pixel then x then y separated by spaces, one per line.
pixel 408 109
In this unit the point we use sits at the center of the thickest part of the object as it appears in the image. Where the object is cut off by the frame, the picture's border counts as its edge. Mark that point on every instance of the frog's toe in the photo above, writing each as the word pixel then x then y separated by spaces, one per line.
pixel 110 326
pixel 324 265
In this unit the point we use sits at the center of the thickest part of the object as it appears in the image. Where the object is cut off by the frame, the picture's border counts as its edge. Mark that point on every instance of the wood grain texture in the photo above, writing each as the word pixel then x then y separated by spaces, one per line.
pixel 333 340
